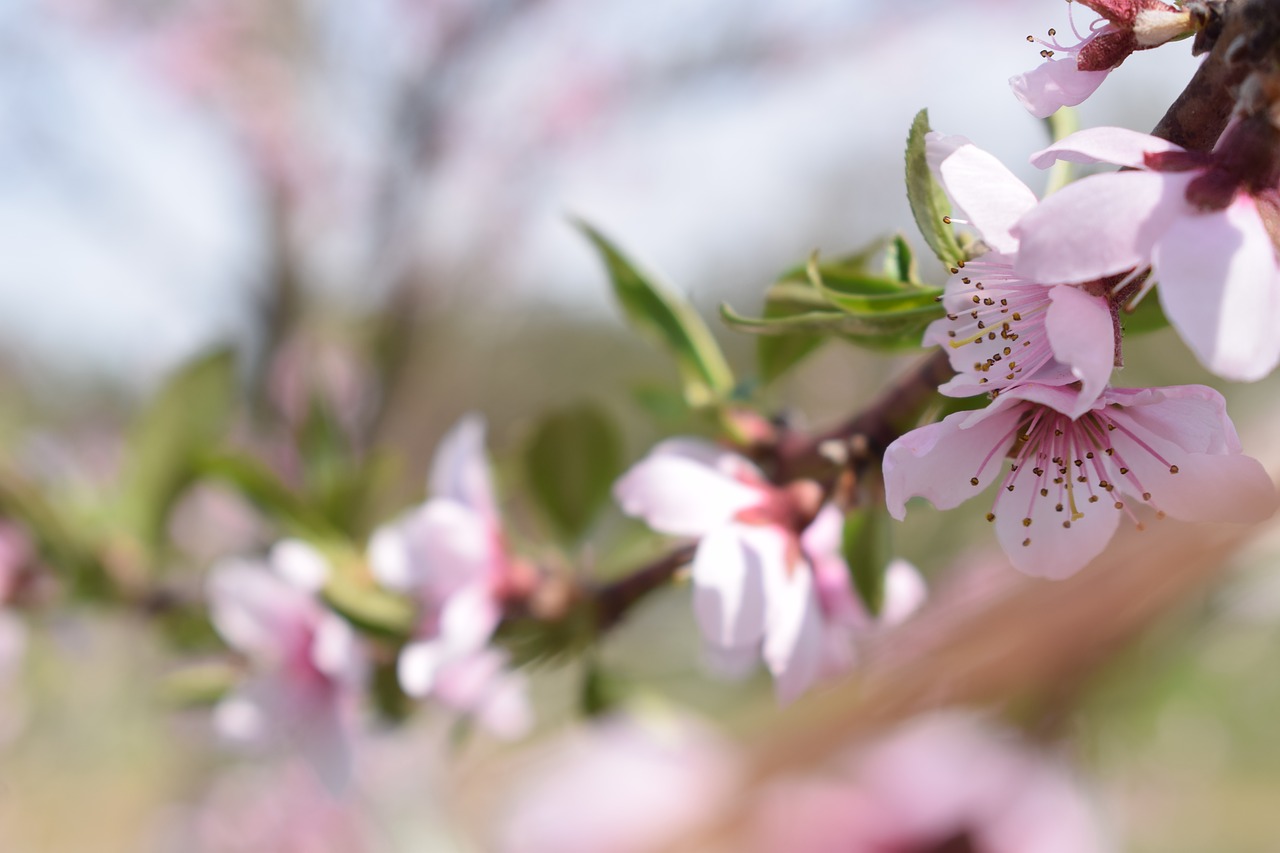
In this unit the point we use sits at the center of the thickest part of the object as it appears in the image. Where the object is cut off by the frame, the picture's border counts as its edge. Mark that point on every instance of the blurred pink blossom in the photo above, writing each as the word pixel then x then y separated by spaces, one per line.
pixel 768 576
pixel 1125 26
pixel 948 782
pixel 308 669
pixel 281 809
pixel 623 785
pixel 451 554
pixel 1173 449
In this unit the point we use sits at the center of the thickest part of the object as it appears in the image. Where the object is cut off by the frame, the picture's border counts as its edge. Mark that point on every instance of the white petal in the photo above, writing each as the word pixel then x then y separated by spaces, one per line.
pixel 904 592
pixel 1116 145
pixel 1055 84
pixel 687 488
pixel 460 469
pixel 985 191
pixel 1082 334
pixel 1219 285
pixel 418 666
pixel 300 564
pixel 793 643
pixel 728 585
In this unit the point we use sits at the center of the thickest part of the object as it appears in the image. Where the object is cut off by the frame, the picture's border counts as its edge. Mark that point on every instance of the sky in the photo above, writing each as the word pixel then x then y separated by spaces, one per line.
pixel 718 141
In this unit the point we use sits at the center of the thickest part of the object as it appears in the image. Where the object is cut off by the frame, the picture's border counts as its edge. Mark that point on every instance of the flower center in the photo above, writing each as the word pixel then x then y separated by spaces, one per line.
pixel 1001 324
pixel 1075 465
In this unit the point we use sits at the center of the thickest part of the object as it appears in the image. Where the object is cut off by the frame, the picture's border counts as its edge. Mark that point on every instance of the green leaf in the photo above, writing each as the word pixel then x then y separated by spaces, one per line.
pixel 871 295
pixel 776 354
pixel 199 685
pixel 868 547
pixel 672 321
pixel 369 607
pixel 187 417
pixel 900 261
pixel 571 461
pixel 928 202
pixel 261 487
pixel 881 332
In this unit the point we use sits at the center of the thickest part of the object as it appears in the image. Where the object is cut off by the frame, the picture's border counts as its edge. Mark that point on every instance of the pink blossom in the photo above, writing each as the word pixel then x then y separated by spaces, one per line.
pixel 1125 26
pixel 1197 220
pixel 278 809
pixel 1002 329
pixel 768 577
pixel 624 785
pixel 451 555
pixel 945 782
pixel 307 666
pixel 1071 481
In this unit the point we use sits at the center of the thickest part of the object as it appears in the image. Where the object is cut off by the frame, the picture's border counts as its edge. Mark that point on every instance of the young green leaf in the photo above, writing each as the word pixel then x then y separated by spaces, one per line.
pixel 868 548
pixel 571 462
pixel 187 418
pixel 928 202
pixel 672 321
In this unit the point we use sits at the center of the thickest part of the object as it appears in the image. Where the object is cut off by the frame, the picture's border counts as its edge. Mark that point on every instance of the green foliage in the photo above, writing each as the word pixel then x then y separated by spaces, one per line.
pixel 199 685
pixel 671 321
pixel 185 420
pixel 261 487
pixel 885 310
pixel 367 606
pixel 928 201
pixel 572 459
pixel 867 547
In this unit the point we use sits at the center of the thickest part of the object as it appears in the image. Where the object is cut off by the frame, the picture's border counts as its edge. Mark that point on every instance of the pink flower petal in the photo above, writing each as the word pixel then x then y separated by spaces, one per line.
pixel 1055 543
pixel 1219 286
pixel 793 643
pixel 418 665
pixel 1098 226
pixel 687 488
pixel 255 611
pixel 728 583
pixel 986 192
pixel 1055 84
pixel 336 651
pixel 1082 335
pixel 1116 145
pixel 300 564
pixel 937 461
pixel 460 469
pixel 436 550
pixel 904 592
pixel 468 618
pixel 1219 485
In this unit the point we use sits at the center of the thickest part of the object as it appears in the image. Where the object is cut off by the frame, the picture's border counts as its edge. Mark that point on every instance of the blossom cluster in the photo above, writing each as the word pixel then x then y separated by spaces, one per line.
pixel 1034 322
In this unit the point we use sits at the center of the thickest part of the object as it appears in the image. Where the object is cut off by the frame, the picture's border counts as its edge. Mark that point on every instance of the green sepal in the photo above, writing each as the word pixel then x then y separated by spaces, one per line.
pixel 671 321
pixel 929 203
pixel 570 463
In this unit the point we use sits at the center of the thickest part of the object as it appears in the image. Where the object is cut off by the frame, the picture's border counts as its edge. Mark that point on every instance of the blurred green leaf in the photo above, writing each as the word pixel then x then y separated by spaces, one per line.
pixel 601 691
pixel 571 461
pixel 199 685
pixel 187 417
pixel 369 607
pixel 260 486
pixel 868 547
pixel 928 202
pixel 672 321
pixel 900 261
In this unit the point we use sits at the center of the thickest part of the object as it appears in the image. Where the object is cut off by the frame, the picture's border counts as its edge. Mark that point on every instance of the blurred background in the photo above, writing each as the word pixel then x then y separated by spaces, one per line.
pixel 372 202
